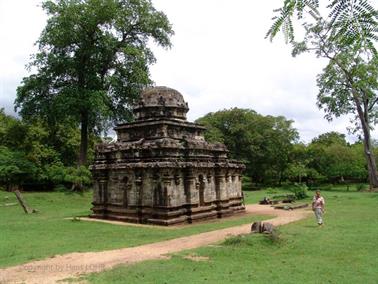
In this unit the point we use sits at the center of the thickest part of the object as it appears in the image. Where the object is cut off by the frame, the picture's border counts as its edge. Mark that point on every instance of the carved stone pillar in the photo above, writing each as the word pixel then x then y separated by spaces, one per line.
pixel 218 178
pixel 167 182
pixel 139 193
pixel 103 188
pixel 189 184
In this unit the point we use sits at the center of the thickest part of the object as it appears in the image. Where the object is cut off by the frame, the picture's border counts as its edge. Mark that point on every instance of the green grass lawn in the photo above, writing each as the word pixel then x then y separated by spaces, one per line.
pixel 344 250
pixel 24 238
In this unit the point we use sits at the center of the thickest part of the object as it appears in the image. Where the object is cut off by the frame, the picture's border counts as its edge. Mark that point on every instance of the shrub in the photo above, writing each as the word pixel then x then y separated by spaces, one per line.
pixel 271 190
pixel 15 168
pixel 361 187
pixel 300 190
pixel 69 177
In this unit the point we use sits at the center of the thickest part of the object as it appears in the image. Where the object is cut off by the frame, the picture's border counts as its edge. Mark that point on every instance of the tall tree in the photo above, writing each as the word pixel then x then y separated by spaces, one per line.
pixel 346 37
pixel 92 62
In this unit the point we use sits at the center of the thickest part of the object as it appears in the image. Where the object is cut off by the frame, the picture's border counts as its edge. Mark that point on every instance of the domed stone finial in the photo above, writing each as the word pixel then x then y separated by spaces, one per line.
pixel 158 102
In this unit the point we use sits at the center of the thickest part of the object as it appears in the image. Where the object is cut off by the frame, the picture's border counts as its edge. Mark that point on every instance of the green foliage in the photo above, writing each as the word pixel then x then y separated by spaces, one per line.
pixel 271 190
pixel 65 139
pixel 14 168
pixel 35 155
pixel 284 20
pixel 296 170
pixel 361 187
pixel 300 190
pixel 262 142
pixel 350 78
pixel 329 138
pixel 235 241
pixel 69 176
pixel 267 145
pixel 337 160
pixel 92 62
pixel 327 158
pixel 354 21
pixel 348 22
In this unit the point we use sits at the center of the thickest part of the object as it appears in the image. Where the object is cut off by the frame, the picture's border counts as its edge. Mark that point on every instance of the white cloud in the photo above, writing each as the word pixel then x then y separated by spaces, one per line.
pixel 219 60
pixel 21 22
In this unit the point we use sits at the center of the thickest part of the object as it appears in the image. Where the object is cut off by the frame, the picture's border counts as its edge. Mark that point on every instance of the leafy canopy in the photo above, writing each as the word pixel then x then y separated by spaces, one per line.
pixel 92 63
pixel 347 21
pixel 93 60
pixel 33 155
pixel 262 142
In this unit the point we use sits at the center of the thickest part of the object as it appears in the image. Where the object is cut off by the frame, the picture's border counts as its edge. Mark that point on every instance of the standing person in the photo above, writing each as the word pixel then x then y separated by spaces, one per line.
pixel 318 207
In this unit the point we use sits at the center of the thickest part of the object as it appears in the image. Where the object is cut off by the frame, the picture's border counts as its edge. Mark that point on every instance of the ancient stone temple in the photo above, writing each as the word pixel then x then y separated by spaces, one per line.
pixel 161 170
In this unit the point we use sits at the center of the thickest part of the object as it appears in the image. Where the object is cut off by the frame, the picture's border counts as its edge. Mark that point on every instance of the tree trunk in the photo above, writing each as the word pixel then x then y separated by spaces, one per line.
pixel 24 205
pixel 363 115
pixel 83 138
pixel 372 167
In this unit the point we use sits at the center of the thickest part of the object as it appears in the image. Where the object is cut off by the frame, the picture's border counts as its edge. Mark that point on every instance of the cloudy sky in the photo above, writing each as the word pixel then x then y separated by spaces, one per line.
pixel 219 60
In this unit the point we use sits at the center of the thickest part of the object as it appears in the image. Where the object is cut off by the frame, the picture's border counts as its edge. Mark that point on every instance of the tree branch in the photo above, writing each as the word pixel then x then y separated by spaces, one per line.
pixel 372 104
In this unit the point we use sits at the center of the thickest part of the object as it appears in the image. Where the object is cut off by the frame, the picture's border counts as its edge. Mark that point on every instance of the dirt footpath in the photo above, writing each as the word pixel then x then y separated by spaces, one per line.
pixel 70 265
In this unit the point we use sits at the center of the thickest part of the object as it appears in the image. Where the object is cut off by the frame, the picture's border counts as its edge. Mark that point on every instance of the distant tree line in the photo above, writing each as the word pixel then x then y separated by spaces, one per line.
pixel 37 156
pixel 270 148
pixel 34 155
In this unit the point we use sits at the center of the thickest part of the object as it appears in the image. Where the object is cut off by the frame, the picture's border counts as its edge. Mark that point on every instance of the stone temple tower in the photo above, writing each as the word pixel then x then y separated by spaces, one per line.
pixel 161 170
